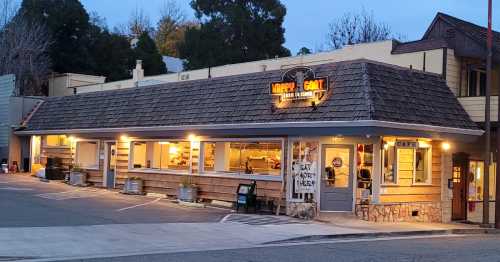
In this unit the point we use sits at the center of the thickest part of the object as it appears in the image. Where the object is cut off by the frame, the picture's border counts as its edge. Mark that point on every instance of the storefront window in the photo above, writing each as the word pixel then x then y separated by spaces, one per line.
pixel 422 166
pixel 263 158
pixel 476 181
pixel 389 160
pixel 304 170
pixel 57 140
pixel 35 149
pixel 160 155
pixel 365 166
pixel 87 154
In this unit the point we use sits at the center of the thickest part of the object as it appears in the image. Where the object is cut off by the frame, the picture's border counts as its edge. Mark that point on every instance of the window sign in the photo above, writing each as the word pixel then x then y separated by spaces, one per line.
pixel 299 83
pixel 305 167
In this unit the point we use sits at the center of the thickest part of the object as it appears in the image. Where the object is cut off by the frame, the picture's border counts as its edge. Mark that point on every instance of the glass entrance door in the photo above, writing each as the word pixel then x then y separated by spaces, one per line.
pixel 336 178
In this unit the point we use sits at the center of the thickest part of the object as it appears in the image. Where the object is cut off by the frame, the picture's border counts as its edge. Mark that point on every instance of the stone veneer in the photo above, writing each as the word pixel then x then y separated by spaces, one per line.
pixel 301 210
pixel 403 212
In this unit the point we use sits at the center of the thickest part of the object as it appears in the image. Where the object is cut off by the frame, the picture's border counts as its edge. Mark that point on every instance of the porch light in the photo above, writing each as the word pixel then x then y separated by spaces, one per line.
pixel 386 146
pixel 445 146
pixel 124 137
pixel 164 143
pixel 192 137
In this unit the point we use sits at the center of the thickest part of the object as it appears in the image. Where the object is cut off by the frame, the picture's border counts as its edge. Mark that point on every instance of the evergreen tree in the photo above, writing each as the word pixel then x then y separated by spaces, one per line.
pixel 152 61
pixel 234 31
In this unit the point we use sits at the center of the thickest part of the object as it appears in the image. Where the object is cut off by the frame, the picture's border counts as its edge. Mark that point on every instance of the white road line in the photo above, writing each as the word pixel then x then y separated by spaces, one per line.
pixel 16 188
pixel 139 205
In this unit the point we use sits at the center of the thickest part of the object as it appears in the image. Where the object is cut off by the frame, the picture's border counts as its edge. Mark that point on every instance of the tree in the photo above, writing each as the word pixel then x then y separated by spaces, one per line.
pixel 23 50
pixel 68 23
pixel 356 28
pixel 233 32
pixel 111 53
pixel 171 28
pixel 138 23
pixel 304 51
pixel 146 51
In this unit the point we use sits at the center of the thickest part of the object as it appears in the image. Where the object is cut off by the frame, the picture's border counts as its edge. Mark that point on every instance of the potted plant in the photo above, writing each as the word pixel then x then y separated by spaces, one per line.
pixel 134 186
pixel 188 192
pixel 77 176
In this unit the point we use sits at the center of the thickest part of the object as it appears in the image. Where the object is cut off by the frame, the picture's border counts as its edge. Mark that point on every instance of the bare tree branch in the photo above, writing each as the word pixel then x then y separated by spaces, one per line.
pixel 23 52
pixel 356 28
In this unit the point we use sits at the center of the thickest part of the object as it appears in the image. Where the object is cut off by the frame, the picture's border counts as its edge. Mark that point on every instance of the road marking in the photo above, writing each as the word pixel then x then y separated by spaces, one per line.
pixel 16 188
pixel 139 205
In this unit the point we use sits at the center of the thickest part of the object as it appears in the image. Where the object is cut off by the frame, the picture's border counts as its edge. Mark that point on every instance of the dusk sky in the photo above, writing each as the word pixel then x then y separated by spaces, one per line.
pixel 306 22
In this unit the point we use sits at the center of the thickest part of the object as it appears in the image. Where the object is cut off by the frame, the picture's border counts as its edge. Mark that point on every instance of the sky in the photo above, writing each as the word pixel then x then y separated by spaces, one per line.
pixel 306 22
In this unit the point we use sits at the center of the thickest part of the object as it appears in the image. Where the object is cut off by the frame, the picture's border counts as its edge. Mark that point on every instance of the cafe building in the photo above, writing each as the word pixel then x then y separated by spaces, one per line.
pixel 355 136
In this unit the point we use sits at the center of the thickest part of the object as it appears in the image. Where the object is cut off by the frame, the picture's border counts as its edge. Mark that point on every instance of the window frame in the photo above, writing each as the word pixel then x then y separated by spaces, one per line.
pixel 429 168
pixel 154 170
pixel 256 176
pixel 97 155
pixel 394 168
pixel 477 84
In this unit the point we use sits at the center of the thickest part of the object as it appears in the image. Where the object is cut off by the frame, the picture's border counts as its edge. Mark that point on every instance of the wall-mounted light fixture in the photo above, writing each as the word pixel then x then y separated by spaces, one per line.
pixel 445 146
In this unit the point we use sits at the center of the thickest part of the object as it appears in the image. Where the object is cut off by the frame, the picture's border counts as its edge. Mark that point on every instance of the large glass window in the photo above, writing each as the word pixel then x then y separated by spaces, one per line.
pixel 160 155
pixel 262 158
pixel 57 140
pixel 35 149
pixel 476 83
pixel 87 154
pixel 389 161
pixel 475 181
pixel 304 170
pixel 422 162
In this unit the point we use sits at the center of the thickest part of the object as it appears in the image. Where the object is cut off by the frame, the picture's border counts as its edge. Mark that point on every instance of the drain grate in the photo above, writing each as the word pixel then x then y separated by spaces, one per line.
pixel 261 220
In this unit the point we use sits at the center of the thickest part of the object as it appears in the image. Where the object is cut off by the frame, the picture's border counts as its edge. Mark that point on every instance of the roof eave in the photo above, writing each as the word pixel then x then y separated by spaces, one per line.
pixel 308 124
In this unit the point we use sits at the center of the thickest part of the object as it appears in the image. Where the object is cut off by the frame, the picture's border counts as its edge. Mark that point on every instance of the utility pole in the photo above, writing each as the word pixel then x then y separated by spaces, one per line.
pixel 487 155
pixel 497 133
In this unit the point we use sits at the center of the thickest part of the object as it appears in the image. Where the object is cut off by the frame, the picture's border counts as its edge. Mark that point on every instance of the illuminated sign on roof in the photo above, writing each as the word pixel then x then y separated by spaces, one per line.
pixel 299 83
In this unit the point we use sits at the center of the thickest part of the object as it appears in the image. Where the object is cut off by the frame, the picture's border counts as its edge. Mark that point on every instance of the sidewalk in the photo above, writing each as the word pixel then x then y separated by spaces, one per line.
pixel 119 239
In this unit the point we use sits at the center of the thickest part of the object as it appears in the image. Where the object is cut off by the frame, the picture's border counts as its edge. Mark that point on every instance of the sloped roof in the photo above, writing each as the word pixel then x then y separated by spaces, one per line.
pixel 359 90
pixel 419 45
pixel 475 32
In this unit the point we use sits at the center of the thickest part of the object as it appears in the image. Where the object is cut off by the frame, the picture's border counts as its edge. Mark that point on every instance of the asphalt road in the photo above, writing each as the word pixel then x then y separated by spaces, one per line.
pixel 468 248
pixel 28 202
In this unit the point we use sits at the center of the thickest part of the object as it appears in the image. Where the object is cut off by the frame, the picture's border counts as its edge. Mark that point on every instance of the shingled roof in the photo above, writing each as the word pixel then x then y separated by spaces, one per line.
pixel 359 90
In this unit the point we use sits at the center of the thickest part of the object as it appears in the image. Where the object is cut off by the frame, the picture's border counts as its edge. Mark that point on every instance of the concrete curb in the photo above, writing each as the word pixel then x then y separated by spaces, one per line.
pixel 371 235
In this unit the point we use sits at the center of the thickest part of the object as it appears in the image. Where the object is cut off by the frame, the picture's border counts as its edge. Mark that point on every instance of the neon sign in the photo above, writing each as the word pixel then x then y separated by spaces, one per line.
pixel 299 83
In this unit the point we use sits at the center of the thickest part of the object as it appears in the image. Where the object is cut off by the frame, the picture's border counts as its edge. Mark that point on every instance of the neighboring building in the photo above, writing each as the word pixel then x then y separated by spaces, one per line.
pixel 13 111
pixel 174 64
pixel 65 84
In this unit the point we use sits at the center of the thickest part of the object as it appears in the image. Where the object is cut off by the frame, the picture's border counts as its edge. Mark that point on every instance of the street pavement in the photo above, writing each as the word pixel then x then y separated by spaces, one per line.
pixel 27 202
pixel 459 248
pixel 54 221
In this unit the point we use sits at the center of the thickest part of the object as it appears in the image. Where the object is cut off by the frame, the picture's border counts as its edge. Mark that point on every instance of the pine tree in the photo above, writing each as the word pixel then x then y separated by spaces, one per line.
pixel 152 61
pixel 233 32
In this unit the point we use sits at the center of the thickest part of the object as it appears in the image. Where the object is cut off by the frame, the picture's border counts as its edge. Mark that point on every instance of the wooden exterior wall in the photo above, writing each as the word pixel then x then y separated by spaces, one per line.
pixel 406 191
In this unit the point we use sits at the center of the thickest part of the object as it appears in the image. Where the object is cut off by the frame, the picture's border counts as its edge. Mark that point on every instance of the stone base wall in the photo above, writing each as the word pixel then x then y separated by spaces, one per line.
pixel 301 210
pixel 429 212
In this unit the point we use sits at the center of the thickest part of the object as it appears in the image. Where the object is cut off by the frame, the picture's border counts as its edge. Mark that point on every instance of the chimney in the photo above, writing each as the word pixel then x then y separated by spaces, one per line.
pixel 138 72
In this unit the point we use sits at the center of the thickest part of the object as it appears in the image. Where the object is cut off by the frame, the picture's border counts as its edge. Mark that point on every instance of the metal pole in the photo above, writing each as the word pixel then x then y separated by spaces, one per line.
pixel 487 156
